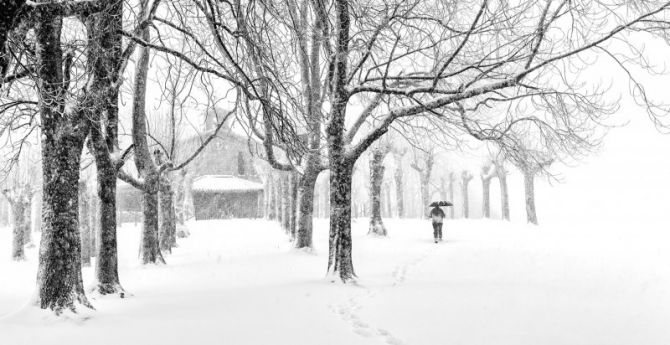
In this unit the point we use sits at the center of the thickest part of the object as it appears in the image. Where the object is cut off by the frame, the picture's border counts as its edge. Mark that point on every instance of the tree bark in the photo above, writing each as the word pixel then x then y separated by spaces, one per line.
pixel 168 224
pixel 529 184
pixel 286 203
pixel 150 248
pixel 340 245
pixel 59 279
pixel 104 55
pixel 501 172
pixel 106 265
pixel 17 211
pixel 306 188
pixel 84 225
pixel 376 178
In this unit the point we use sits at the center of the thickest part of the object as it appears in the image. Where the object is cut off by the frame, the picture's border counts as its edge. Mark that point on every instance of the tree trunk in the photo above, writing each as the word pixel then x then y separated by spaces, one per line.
pixel 106 266
pixel 486 198
pixel 84 225
pixel 150 248
pixel 168 224
pixel 466 177
pixel 293 189
pixel 306 187
pixel 376 178
pixel 278 199
pixel 59 280
pixel 399 191
pixel 340 244
pixel 18 233
pixel 504 195
pixel 529 184
pixel 59 277
pixel 27 219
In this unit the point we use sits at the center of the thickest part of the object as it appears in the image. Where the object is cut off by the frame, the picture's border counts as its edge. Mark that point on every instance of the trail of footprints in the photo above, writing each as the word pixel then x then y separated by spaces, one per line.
pixel 349 309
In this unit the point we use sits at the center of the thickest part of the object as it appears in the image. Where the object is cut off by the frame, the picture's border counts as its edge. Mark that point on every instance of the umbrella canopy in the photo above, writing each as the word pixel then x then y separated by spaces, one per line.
pixel 440 203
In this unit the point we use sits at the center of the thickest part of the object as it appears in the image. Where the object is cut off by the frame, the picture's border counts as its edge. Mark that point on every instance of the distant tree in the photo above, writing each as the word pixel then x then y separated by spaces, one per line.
pixel 423 164
pixel 398 154
pixel 466 177
pixel 376 179
pixel 19 203
pixel 487 174
pixel 501 173
pixel 85 229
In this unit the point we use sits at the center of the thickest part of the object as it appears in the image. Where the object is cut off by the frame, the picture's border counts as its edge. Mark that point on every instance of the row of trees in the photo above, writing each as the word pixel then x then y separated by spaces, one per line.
pixel 317 82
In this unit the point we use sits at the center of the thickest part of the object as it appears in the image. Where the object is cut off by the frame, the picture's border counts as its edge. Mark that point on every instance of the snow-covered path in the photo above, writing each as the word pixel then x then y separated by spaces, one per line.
pixel 239 282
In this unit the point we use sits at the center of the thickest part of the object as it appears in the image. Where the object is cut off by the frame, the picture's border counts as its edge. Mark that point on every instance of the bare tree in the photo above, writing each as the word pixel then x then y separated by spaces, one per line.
pixel 501 173
pixel 466 177
pixel 376 179
pixel 425 168
pixel 487 174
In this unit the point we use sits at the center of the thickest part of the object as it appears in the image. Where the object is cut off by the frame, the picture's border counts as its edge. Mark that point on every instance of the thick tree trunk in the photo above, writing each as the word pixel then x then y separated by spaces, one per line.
pixel 150 248
pixel 104 55
pixel 106 266
pixel 376 178
pixel 340 244
pixel 84 225
pixel 529 184
pixel 168 224
pixel 59 277
pixel 306 186
pixel 59 280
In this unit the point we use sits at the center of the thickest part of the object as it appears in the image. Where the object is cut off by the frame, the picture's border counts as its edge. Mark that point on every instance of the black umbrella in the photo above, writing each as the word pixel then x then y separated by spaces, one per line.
pixel 440 203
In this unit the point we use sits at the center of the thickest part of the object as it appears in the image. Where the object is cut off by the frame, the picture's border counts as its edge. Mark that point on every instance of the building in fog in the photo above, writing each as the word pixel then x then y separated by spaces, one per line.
pixel 227 155
pixel 226 196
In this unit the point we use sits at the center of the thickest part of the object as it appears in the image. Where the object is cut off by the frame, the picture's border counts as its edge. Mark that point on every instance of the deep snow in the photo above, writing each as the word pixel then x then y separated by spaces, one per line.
pixel 239 282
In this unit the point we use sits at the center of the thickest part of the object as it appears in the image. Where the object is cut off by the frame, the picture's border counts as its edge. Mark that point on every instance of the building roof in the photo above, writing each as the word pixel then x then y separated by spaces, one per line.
pixel 224 183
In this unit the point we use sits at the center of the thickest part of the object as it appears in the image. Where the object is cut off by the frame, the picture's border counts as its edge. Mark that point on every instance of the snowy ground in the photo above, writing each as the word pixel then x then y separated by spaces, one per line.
pixel 490 282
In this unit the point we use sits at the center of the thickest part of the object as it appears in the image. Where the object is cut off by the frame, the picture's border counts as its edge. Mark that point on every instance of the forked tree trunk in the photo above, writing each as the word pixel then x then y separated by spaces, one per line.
pixel 59 279
pixel 529 184
pixel 104 55
pixel 84 225
pixel 376 178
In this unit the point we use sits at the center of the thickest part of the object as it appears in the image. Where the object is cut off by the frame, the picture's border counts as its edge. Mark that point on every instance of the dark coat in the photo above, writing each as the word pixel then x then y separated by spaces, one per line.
pixel 437 215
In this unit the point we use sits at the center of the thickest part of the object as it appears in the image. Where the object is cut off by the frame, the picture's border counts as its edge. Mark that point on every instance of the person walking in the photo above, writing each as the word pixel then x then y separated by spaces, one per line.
pixel 437 216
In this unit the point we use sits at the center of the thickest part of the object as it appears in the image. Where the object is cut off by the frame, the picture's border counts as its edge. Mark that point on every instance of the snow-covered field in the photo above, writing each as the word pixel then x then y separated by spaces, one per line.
pixel 490 282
